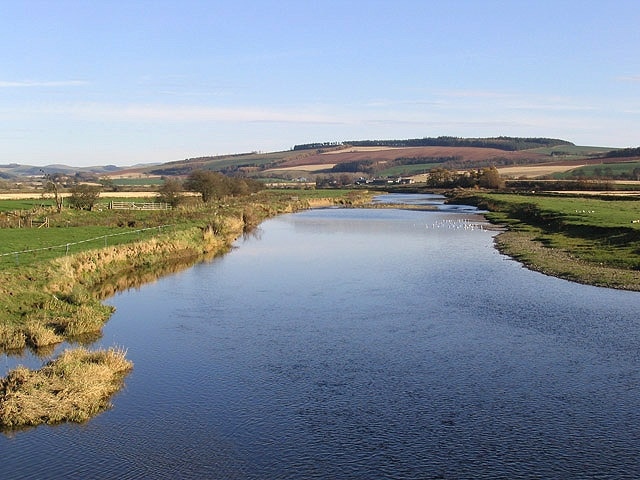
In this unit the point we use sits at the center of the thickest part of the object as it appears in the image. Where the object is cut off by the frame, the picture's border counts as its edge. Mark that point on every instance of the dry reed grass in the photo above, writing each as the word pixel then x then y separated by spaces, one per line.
pixel 74 387
pixel 12 338
pixel 39 335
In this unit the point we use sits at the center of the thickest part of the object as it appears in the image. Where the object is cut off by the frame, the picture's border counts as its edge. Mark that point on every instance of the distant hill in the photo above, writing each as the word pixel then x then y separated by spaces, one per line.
pixel 379 157
pixel 14 170
pixel 458 152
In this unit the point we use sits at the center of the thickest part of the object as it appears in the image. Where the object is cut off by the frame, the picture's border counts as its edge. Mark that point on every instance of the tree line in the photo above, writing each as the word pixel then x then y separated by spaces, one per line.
pixel 209 184
pixel 623 153
pixel 500 143
pixel 487 177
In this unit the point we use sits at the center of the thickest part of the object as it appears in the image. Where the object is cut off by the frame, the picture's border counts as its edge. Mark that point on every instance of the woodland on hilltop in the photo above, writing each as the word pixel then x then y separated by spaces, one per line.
pixel 501 143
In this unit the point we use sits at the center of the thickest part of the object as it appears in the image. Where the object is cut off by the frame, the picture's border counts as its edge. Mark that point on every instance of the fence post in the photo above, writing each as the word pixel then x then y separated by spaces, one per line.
pixel 67 252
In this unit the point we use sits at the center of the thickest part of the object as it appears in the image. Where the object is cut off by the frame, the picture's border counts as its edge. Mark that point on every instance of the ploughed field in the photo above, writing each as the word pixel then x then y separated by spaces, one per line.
pixel 470 154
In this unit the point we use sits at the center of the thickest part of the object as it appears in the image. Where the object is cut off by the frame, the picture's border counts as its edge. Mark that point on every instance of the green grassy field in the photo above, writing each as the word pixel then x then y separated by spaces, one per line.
pixel 572 150
pixel 608 170
pixel 224 161
pixel 582 211
pixel 28 204
pixel 592 240
pixel 26 246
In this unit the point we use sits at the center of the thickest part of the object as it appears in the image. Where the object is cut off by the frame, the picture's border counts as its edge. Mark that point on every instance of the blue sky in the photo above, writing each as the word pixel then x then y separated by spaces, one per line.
pixel 90 82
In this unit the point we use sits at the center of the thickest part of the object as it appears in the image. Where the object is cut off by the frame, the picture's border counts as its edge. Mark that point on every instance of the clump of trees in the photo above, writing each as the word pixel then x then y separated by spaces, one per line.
pixel 214 185
pixel 84 196
pixel 334 181
pixel 488 177
pixel 501 143
pixel 623 153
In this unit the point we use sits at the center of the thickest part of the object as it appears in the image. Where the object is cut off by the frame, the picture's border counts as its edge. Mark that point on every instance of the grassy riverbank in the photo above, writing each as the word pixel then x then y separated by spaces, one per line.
pixel 50 295
pixel 595 241
pixel 52 283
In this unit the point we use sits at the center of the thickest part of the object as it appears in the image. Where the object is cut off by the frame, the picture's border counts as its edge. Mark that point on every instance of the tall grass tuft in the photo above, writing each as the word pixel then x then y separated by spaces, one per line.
pixel 74 387
pixel 85 320
pixel 12 338
pixel 39 335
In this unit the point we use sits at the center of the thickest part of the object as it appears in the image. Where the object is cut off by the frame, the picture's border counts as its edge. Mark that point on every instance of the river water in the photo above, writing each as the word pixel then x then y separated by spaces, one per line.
pixel 360 343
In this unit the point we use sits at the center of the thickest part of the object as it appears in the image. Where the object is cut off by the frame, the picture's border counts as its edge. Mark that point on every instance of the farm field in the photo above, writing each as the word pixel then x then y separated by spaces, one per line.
pixel 38 195
pixel 534 171
pixel 469 154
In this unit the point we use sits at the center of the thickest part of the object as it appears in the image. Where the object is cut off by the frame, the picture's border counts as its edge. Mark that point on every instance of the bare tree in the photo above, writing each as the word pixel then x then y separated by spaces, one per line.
pixel 171 192
pixel 51 185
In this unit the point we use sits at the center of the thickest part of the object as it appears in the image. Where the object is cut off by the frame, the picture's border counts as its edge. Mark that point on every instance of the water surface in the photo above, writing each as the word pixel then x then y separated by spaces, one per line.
pixel 361 343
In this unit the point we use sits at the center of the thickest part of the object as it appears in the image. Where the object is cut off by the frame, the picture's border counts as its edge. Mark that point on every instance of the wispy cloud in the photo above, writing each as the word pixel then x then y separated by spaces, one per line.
pixel 399 103
pixel 629 78
pixel 477 94
pixel 32 83
pixel 189 113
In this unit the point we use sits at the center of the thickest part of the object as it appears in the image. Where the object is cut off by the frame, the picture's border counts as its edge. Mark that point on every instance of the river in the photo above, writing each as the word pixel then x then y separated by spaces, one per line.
pixel 360 343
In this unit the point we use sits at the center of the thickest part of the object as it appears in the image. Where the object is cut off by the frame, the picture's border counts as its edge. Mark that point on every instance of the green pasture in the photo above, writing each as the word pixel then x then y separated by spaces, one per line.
pixel 25 205
pixel 607 170
pixel 572 150
pixel 598 230
pixel 580 210
pixel 225 161
pixel 27 246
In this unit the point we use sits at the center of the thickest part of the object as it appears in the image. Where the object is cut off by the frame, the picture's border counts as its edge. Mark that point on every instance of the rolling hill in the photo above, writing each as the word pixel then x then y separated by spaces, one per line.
pixel 371 157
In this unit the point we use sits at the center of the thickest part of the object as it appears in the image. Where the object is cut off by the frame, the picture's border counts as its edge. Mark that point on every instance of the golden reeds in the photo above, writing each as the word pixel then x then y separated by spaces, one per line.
pixel 74 387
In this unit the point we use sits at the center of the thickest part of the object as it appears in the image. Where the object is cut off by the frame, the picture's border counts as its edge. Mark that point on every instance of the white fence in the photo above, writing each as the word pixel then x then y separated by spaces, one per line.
pixel 138 206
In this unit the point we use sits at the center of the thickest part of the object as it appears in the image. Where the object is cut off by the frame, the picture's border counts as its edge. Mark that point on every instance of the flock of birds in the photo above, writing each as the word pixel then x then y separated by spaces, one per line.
pixel 458 224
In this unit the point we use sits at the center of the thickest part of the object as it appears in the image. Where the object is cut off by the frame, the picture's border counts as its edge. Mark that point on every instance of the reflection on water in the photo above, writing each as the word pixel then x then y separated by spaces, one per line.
pixel 142 276
pixel 361 344
pixel 34 357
